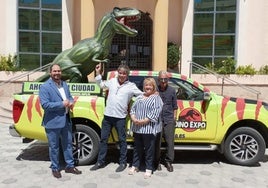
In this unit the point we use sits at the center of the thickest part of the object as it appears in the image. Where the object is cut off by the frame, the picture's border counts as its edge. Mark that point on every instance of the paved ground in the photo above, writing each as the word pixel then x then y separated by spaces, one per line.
pixel 27 165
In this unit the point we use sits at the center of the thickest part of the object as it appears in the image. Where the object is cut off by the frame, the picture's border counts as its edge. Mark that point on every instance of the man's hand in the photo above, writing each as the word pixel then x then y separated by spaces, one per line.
pixel 98 69
pixel 71 105
pixel 66 103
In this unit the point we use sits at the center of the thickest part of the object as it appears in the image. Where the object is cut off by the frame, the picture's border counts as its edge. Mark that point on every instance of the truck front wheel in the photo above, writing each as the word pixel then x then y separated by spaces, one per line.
pixel 244 146
pixel 85 144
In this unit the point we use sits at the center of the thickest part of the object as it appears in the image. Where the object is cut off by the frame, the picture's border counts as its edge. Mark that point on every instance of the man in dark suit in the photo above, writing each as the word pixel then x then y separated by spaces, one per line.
pixel 57 101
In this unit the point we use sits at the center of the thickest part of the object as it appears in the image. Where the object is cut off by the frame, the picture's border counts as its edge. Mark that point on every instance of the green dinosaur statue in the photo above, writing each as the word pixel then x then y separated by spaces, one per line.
pixel 80 60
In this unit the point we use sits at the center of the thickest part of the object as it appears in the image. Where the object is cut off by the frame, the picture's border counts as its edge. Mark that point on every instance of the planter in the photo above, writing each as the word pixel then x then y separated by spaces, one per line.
pixel 246 80
pixel 252 87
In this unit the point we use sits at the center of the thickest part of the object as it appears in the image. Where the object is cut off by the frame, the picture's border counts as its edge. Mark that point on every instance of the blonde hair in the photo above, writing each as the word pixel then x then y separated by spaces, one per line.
pixel 150 81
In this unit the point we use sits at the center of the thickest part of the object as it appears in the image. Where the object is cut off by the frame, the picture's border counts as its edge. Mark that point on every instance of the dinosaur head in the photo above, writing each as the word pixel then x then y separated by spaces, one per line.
pixel 122 19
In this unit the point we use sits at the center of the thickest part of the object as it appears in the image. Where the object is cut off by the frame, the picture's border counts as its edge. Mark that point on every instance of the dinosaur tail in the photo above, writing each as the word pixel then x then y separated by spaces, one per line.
pixel 47 75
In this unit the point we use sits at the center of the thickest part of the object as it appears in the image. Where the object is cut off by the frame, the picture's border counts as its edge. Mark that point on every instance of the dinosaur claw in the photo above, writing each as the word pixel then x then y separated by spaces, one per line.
pixel 106 61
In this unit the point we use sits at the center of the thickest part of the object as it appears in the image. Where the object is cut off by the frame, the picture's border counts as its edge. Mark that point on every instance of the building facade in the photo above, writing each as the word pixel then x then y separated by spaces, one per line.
pixel 207 31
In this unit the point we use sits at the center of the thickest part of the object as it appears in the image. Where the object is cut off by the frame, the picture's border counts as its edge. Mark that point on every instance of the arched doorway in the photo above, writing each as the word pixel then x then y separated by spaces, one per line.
pixel 136 52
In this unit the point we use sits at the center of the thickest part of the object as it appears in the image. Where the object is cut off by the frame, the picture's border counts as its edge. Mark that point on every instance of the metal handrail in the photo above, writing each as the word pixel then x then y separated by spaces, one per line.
pixel 26 74
pixel 223 77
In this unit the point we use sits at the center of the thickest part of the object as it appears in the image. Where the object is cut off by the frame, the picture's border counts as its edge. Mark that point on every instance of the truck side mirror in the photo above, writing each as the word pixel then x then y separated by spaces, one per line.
pixel 207 96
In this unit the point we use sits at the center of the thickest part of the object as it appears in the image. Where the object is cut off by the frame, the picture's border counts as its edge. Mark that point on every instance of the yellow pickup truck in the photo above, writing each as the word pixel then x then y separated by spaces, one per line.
pixel 236 127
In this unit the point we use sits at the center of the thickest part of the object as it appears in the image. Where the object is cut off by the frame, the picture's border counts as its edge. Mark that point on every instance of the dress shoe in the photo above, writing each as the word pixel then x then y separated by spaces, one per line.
pixel 121 167
pixel 159 168
pixel 169 166
pixel 73 170
pixel 56 173
pixel 97 166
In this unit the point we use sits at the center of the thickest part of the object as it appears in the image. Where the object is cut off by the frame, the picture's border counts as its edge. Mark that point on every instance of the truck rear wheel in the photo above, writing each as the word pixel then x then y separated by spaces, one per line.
pixel 244 146
pixel 85 144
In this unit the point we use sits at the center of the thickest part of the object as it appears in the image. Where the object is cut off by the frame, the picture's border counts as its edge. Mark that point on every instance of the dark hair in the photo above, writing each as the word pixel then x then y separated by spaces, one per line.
pixel 124 67
pixel 51 66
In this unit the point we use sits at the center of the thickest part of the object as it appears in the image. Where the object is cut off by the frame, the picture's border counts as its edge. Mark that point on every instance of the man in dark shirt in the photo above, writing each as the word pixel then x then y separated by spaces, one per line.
pixel 169 115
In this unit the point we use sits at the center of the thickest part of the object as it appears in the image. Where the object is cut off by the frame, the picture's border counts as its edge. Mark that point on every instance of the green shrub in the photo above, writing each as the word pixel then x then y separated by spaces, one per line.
pixel 8 63
pixel 263 70
pixel 173 55
pixel 245 70
pixel 226 66
pixel 211 67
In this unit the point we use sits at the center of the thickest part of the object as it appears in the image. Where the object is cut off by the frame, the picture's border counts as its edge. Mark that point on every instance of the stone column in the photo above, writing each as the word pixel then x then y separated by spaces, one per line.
pixel 160 34
pixel 87 19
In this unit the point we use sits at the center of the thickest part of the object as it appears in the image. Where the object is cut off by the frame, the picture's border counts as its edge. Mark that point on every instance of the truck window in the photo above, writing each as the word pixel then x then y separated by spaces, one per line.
pixel 186 90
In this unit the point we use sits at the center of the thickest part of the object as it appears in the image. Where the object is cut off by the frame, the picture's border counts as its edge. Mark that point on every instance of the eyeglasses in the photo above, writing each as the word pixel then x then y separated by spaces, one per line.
pixel 163 79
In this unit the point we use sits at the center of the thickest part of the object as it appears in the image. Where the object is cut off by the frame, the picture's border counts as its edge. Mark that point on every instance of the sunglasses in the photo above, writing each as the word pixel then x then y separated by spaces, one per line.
pixel 163 79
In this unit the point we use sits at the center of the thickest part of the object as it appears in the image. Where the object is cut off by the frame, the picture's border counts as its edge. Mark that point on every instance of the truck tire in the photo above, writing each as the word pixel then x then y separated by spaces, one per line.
pixel 244 146
pixel 85 144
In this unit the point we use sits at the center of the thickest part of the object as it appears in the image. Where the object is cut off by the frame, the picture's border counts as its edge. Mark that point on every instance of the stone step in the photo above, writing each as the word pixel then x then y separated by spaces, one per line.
pixel 5 113
pixel 6 120
pixel 6 110
pixel 6 116
pixel 6 105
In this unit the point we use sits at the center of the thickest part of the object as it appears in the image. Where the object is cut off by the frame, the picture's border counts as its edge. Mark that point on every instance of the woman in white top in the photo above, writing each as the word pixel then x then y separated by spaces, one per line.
pixel 146 123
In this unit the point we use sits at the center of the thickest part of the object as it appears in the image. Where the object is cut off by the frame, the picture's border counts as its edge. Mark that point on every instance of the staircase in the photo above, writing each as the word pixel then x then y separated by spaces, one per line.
pixel 224 79
pixel 6 111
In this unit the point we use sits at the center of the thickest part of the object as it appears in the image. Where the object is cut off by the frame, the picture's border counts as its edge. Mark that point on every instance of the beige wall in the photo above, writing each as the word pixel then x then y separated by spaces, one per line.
pixel 175 21
pixel 84 24
pixel 8 23
pixel 252 32
pixel 160 35
pixel 187 30
pixel 67 24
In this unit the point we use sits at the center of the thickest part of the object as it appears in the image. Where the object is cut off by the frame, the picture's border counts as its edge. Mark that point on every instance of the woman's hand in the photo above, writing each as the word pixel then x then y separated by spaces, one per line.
pixel 139 122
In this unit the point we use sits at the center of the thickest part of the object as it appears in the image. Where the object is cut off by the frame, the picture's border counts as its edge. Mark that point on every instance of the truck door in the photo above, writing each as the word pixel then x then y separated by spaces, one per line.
pixel 197 118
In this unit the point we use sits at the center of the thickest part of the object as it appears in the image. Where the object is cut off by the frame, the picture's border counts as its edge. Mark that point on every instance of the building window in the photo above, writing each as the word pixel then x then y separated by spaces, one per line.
pixel 213 31
pixel 39 31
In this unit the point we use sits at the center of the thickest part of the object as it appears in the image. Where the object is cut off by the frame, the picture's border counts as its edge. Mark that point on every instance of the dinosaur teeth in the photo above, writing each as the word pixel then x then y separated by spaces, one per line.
pixel 125 20
pixel 122 20
pixel 133 18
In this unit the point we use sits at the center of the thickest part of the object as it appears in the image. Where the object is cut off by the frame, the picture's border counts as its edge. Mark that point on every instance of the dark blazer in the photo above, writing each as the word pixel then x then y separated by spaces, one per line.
pixel 51 101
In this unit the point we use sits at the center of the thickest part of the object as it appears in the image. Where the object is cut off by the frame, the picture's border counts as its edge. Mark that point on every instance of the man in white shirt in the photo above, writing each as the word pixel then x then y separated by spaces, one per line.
pixel 121 90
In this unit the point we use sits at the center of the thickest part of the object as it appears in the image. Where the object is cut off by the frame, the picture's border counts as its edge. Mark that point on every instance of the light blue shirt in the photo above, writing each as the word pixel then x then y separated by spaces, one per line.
pixel 119 96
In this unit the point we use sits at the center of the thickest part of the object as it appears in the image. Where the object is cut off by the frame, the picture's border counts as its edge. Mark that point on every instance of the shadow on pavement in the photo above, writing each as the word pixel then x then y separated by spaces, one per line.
pixel 38 151
pixel 198 157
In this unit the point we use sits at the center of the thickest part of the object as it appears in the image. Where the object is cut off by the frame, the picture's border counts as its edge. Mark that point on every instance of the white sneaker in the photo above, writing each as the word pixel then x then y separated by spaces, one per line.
pixel 133 170
pixel 147 174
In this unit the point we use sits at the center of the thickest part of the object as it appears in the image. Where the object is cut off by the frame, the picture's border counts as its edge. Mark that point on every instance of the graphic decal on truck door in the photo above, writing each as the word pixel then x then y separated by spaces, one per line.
pixel 190 120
